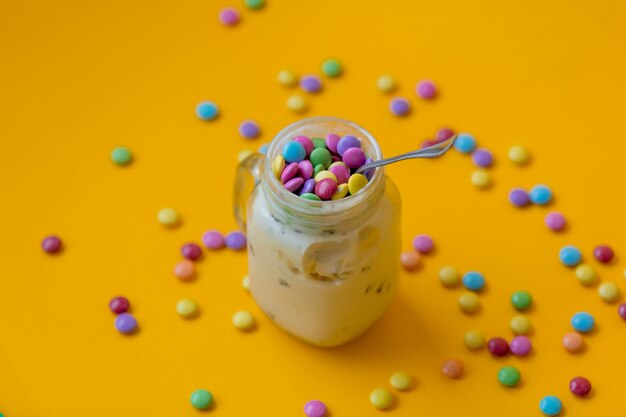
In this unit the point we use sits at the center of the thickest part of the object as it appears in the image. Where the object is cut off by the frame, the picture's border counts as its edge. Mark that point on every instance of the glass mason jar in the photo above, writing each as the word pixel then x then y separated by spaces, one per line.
pixel 324 271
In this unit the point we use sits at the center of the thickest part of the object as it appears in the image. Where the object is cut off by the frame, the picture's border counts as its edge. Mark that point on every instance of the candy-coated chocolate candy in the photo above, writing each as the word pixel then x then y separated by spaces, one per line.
pixel 521 300
pixel 519 155
pixel 293 152
pixel 325 188
pixel 119 305
pixel 51 244
pixel 325 174
pixel 305 142
pixel 287 78
pixel 465 143
pixel 520 325
pixel 331 68
pixel 184 270
pixel 294 184
pixel 229 16
pixel 402 381
pixel 509 376
pixel 243 320
pixel 342 173
pixel 449 276
pixel 308 187
pixel 570 255
pixel 311 84
pixel 399 106
pixel 249 129
pixel 342 191
pixel 580 386
pixel 201 399
pixel 540 195
pixel 519 197
pixel 235 240
pixel 423 243
pixel 310 196
pixel 356 183
pixel 608 292
pixel 187 308
pixel 278 164
pixel 520 346
pixel 603 254
pixel 498 346
pixel 474 340
pixel 582 322
pixel 306 169
pixel 550 405
pixel 452 368
pixel 207 110
pixel 168 217
pixel 346 143
pixel 125 323
pixel 573 342
pixel 332 140
pixel 320 156
pixel 213 239
pixel 354 158
pixel 474 281
pixel 426 89
pixel 410 260
pixel 469 302
pixel 315 408
pixel 290 172
pixel 386 83
pixel 297 104
pixel 555 221
pixel 191 251
pixel 381 398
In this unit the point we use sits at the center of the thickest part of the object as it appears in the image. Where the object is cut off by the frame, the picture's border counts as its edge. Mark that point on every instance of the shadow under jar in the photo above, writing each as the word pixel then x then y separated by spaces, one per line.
pixel 324 271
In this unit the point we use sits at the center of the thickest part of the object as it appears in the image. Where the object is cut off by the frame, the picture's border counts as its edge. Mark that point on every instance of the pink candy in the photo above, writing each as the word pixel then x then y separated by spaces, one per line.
pixel 289 172
pixel 354 157
pixel 306 142
pixel 293 184
pixel 342 173
pixel 325 188
pixel 306 169
pixel 331 142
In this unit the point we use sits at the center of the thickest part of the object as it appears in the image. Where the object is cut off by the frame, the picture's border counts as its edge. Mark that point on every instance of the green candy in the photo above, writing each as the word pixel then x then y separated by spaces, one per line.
pixel 121 155
pixel 317 169
pixel 310 196
pixel 331 68
pixel 319 143
pixel 508 376
pixel 521 300
pixel 254 4
pixel 321 156
pixel 201 399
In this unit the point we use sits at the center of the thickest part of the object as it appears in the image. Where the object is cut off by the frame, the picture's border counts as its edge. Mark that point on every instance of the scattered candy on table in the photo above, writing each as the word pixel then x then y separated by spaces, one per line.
pixel 184 270
pixel 474 340
pixel 315 408
pixel 249 129
pixel 119 305
pixel 580 386
pixel 187 308
pixel 297 104
pixel 603 254
pixel 168 217
pixel 254 4
pixel 519 197
pixel 229 16
pixel 386 83
pixel 410 260
pixel 331 68
pixel 608 292
pixel 243 320
pixel 311 84
pixel 555 221
pixel 465 143
pixel 191 251
pixel 426 89
pixel 121 155
pixel 521 300
pixel 573 342
pixel 235 241
pixel 481 178
pixel 474 281
pixel 287 78
pixel 449 276
pixel 381 398
pixel 570 255
pixel 519 155
pixel 401 381
pixel 399 106
pixel 550 405
pixel 125 323
pixel 482 158
pixel 509 376
pixel 469 302
pixel 520 346
pixel 51 244
pixel 520 325
pixel 207 110
pixel 213 239
pixel 201 399
pixel 497 346
pixel 452 368
pixel 582 322
pixel 423 243
pixel 540 195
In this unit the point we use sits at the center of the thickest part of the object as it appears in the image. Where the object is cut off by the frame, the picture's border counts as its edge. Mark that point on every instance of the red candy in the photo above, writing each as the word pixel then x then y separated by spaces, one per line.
pixel 444 134
pixel 191 251
pixel 498 346
pixel 325 188
pixel 580 386
pixel 51 244
pixel 603 254
pixel 119 305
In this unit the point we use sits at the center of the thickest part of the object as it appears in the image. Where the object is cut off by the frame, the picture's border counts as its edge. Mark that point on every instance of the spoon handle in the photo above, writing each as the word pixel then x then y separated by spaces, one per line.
pixel 434 151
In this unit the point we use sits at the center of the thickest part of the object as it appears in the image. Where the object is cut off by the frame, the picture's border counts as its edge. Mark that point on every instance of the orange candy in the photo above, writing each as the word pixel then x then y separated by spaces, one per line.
pixel 184 270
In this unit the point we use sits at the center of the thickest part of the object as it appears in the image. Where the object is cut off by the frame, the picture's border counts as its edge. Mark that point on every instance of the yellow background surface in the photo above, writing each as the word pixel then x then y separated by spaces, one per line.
pixel 78 78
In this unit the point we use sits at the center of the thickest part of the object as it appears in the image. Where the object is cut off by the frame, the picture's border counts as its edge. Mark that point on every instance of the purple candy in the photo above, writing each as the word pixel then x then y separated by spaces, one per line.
pixel 444 134
pixel 482 158
pixel 346 143
pixel 520 346
pixel 342 173
pixel 51 244
pixel 426 89
pixel 306 142
pixel 399 106
pixel 621 310
pixel 519 197
pixel 235 240
pixel 306 169
pixel 249 129
pixel 293 184
pixel 354 157
pixel 369 173
pixel 331 142
pixel 315 408
pixel 325 188
pixel 311 83
pixel 423 243
pixel 289 172
pixel 308 187
pixel 213 239
pixel 555 221
pixel 125 323
pixel 229 16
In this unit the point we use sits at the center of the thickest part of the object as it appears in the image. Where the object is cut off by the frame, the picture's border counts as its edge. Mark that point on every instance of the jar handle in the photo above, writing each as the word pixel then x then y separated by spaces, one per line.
pixel 248 175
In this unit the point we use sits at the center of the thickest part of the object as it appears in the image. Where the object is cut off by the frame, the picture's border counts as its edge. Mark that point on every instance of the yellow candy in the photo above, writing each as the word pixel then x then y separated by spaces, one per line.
pixel 519 155
pixel 381 398
pixel 356 183
pixel 585 274
pixel 520 325
pixel 243 320
pixel 325 174
pixel 287 78
pixel 342 191
pixel 168 217
pixel 278 165
pixel 187 308
pixel 608 292
pixel 474 340
pixel 481 178
pixel 338 163
pixel 401 381
pixel 245 282
pixel 469 302
pixel 244 154
pixel 386 83
pixel 297 104
pixel 449 276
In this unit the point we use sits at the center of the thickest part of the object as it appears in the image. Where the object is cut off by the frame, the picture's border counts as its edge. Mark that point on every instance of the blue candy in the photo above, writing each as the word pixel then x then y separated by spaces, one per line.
pixel 570 255
pixel 550 405
pixel 293 152
pixel 474 281
pixel 465 143
pixel 207 110
pixel 540 194
pixel 264 148
pixel 582 322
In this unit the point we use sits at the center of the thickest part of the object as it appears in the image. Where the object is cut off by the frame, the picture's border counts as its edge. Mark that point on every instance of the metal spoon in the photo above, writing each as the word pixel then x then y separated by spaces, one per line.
pixel 434 151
